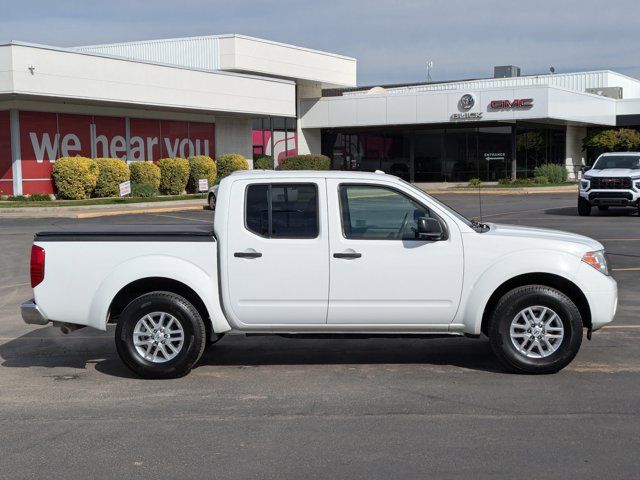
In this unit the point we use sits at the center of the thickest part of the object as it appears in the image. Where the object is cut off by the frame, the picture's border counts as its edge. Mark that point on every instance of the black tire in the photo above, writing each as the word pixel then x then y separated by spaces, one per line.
pixel 603 208
pixel 212 201
pixel 193 333
pixel 584 207
pixel 515 301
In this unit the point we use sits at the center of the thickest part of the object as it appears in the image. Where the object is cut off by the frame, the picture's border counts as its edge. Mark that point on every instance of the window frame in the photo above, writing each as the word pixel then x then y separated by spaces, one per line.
pixel 432 214
pixel 270 209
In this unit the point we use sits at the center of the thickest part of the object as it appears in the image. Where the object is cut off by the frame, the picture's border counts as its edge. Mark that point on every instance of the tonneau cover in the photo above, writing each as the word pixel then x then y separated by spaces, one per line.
pixel 130 233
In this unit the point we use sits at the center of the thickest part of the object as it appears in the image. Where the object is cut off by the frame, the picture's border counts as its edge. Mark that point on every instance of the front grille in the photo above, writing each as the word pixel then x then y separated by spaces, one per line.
pixel 610 183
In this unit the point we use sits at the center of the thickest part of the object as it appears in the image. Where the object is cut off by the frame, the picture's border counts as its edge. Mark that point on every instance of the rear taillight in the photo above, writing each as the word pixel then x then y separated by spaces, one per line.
pixel 37 265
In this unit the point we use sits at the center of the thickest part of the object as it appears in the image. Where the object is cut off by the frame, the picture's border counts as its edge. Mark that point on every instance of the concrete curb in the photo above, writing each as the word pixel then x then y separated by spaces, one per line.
pixel 93 211
pixel 504 191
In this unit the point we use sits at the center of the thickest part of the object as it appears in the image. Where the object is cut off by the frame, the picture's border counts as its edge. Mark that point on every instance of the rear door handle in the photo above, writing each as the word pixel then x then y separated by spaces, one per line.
pixel 347 255
pixel 247 254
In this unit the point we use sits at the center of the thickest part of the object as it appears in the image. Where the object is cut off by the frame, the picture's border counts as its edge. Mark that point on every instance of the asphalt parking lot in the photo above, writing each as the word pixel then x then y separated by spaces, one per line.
pixel 263 407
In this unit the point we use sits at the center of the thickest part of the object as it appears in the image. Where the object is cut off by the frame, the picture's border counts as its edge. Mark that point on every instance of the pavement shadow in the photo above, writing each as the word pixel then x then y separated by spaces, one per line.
pixel 573 212
pixel 47 348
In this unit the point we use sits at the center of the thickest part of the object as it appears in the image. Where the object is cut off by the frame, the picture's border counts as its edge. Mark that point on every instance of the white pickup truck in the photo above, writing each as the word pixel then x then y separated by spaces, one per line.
pixel 323 254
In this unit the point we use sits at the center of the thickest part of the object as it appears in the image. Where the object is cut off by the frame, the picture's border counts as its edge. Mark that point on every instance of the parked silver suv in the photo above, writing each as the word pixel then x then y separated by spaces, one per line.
pixel 612 181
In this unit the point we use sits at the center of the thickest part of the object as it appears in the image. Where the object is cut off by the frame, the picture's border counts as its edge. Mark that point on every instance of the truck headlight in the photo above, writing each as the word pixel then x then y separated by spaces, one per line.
pixel 584 184
pixel 597 260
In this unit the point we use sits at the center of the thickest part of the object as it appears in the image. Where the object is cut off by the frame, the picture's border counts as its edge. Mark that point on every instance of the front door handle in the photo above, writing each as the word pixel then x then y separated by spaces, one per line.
pixel 347 255
pixel 247 254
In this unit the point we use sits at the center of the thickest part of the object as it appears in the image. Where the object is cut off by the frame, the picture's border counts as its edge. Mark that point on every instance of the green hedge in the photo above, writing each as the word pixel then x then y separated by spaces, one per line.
pixel 229 163
pixel 144 190
pixel 201 166
pixel 111 173
pixel 555 173
pixel 305 162
pixel 75 177
pixel 174 174
pixel 264 162
pixel 145 173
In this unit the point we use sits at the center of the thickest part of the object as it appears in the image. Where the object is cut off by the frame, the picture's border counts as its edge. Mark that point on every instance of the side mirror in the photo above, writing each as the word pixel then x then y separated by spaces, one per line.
pixel 429 229
pixel 585 168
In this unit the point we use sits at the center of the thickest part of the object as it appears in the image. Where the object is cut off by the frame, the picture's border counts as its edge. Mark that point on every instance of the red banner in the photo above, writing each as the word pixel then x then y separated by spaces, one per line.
pixel 45 137
pixel 6 182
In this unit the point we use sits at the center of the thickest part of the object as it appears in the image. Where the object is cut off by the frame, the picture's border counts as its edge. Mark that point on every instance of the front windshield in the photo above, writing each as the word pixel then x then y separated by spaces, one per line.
pixel 617 161
pixel 444 206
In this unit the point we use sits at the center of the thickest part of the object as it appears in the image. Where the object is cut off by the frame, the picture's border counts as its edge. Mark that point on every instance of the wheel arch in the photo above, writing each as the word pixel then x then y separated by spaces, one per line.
pixel 560 283
pixel 141 286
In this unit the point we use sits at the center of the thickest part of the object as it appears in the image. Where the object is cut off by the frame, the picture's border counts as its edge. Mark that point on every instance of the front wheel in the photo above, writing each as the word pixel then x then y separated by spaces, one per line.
pixel 584 207
pixel 212 201
pixel 160 335
pixel 535 329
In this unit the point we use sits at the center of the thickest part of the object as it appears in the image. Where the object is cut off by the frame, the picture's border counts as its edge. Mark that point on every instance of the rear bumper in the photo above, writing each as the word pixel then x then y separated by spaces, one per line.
pixel 32 314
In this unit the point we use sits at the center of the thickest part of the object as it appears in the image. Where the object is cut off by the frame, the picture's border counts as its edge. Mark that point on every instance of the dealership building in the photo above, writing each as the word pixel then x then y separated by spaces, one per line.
pixel 142 101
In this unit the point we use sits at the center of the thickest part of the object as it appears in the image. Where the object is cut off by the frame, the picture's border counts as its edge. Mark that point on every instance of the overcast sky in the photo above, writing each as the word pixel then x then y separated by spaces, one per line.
pixel 391 40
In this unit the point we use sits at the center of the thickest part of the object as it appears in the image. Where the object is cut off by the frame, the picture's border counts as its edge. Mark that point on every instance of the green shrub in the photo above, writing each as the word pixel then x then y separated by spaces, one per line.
pixel 145 173
pixel 144 190
pixel 555 173
pixel 265 162
pixel 111 173
pixel 306 162
pixel 40 197
pixel 523 182
pixel 504 181
pixel 229 163
pixel 174 174
pixel 475 182
pixel 75 177
pixel 17 198
pixel 541 180
pixel 201 166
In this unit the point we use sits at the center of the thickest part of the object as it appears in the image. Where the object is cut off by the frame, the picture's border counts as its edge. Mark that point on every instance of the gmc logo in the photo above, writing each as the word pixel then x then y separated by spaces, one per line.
pixel 509 104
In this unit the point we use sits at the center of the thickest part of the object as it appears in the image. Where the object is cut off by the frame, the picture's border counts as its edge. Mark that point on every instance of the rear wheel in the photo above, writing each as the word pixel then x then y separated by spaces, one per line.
pixel 603 208
pixel 584 207
pixel 212 201
pixel 160 335
pixel 535 329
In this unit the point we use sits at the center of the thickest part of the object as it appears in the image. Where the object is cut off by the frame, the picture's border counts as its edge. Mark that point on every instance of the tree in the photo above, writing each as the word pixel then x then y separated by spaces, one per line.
pixel 624 139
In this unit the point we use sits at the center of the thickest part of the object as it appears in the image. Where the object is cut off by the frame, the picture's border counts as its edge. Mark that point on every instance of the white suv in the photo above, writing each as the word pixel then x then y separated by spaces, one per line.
pixel 612 181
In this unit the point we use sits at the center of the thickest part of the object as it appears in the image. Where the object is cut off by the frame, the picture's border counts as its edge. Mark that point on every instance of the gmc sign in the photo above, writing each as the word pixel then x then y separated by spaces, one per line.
pixel 510 104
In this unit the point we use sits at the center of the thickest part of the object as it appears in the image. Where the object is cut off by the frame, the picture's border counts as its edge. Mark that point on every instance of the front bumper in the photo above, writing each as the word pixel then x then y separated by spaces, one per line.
pixel 621 198
pixel 32 314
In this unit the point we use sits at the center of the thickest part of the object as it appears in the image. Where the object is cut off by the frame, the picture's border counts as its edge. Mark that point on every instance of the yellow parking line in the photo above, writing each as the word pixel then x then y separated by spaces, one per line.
pixel 182 218
pixel 14 285
pixel 630 269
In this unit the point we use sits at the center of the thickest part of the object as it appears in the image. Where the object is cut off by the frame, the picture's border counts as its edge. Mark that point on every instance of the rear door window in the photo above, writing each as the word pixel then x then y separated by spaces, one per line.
pixel 281 210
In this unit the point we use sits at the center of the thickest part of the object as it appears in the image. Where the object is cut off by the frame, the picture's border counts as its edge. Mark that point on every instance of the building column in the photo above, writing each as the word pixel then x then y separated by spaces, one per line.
pixel 574 155
pixel 233 135
pixel 16 160
pixel 309 139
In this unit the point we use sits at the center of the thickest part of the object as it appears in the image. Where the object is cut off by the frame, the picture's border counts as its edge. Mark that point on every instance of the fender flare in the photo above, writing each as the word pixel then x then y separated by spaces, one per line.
pixel 203 284
pixel 510 266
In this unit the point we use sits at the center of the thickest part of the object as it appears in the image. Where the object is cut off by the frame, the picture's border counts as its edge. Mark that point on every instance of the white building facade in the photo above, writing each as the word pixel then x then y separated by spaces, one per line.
pixel 141 101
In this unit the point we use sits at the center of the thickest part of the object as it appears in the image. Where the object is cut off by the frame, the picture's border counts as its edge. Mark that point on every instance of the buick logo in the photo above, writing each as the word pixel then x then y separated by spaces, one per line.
pixel 467 101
